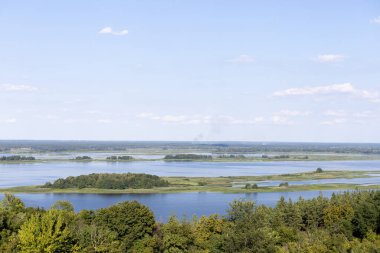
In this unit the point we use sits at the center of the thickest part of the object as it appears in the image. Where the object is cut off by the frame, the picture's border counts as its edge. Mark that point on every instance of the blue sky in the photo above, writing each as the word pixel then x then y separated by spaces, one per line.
pixel 190 70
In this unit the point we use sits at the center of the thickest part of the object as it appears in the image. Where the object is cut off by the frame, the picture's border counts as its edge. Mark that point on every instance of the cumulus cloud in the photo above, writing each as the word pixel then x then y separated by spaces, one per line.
pixel 334 89
pixel 243 59
pixel 109 30
pixel 376 20
pixel 16 87
pixel 199 119
pixel 328 58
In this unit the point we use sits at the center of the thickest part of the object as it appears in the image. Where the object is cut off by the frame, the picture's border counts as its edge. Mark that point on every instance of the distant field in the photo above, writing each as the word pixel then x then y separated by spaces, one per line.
pixel 146 147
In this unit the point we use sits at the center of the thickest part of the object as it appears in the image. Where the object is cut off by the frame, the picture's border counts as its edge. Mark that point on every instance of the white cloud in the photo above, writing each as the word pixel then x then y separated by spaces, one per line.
pixel 334 121
pixel 345 114
pixel 334 113
pixel 341 116
pixel 200 119
pixel 71 121
pixel 16 87
pixel 281 120
pixel 51 117
pixel 328 58
pixel 8 121
pixel 290 113
pixel 144 115
pixel 104 121
pixel 284 117
pixel 93 112
pixel 364 114
pixel 376 20
pixel 344 88
pixel 108 30
pixel 243 59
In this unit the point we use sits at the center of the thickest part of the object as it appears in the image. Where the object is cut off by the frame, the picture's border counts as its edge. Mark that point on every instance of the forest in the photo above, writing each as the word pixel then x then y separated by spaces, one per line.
pixel 17 158
pixel 123 158
pixel 348 222
pixel 109 181
pixel 187 157
pixel 202 147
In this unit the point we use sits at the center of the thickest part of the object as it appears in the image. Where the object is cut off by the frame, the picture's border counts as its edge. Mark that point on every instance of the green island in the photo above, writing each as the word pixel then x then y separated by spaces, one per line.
pixel 109 183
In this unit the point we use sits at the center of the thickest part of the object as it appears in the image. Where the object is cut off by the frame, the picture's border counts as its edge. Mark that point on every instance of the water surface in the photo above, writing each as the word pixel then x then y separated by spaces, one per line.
pixel 167 204
pixel 36 173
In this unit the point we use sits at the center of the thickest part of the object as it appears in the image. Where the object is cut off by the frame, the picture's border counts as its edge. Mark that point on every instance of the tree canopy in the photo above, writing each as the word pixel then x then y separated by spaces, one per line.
pixel 348 222
pixel 109 181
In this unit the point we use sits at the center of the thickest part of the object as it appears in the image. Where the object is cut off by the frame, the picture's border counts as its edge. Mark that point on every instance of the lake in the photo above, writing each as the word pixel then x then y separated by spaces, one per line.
pixel 37 173
pixel 167 204
pixel 181 204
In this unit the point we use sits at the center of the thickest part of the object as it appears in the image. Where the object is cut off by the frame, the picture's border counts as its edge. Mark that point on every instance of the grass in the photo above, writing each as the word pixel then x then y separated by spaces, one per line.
pixel 221 184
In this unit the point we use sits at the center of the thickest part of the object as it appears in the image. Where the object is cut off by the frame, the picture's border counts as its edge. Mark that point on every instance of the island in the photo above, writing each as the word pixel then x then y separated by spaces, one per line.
pixel 108 183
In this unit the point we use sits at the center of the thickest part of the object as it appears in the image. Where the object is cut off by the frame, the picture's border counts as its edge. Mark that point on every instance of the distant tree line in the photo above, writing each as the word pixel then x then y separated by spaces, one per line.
pixel 283 184
pixel 232 156
pixel 17 158
pixel 276 156
pixel 109 181
pixel 123 158
pixel 348 222
pixel 85 157
pixel 206 147
pixel 251 186
pixel 188 157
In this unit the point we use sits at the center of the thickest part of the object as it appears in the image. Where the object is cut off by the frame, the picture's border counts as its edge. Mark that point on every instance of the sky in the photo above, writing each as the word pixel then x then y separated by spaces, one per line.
pixel 201 70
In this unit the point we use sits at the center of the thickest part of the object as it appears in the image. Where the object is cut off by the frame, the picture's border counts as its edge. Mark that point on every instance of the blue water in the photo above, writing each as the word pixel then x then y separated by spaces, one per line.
pixel 39 173
pixel 180 204
pixel 164 205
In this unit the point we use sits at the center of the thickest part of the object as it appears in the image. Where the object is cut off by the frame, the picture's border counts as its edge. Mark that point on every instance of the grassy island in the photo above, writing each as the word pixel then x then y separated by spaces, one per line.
pixel 144 183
